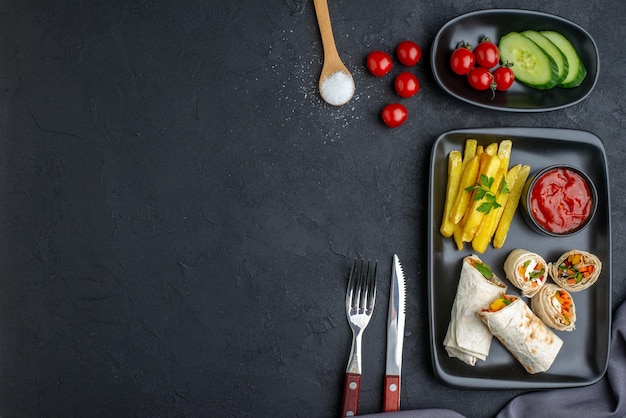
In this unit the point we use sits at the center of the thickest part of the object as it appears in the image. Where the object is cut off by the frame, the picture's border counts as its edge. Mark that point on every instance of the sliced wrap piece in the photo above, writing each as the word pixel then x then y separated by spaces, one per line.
pixel 576 270
pixel 530 341
pixel 467 338
pixel 526 270
pixel 555 307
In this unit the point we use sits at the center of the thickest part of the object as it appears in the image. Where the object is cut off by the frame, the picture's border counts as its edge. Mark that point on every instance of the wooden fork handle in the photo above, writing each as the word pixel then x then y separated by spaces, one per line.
pixel 351 390
pixel 391 395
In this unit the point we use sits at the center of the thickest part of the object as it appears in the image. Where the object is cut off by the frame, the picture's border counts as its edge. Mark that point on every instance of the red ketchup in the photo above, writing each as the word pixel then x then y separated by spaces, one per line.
pixel 560 201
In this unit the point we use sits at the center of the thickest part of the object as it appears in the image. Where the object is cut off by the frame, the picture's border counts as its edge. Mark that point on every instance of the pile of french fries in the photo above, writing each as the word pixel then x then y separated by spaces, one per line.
pixel 461 218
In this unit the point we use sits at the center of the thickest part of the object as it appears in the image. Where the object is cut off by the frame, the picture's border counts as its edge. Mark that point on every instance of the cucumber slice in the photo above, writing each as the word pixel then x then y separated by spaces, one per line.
pixel 577 71
pixel 531 65
pixel 552 50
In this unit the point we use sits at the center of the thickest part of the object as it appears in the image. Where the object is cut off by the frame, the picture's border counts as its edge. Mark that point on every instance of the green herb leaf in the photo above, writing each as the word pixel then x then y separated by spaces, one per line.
pixel 484 270
pixel 484 207
pixel 480 193
pixel 504 188
pixel 482 190
pixel 486 181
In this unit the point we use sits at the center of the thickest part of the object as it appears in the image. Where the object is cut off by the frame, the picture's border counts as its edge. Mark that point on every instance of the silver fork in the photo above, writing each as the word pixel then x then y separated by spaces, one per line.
pixel 360 299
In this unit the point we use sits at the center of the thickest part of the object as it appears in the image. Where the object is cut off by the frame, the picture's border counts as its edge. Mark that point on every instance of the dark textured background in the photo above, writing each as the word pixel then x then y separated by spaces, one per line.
pixel 178 207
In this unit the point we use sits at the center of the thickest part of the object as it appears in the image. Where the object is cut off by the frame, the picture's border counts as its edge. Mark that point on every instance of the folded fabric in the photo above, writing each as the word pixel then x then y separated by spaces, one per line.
pixel 606 398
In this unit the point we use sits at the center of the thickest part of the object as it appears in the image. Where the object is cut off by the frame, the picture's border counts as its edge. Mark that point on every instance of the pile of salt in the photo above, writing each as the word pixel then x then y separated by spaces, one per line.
pixel 337 89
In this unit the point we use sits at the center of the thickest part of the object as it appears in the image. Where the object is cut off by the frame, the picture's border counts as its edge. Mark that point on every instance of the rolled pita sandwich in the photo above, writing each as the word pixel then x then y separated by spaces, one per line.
pixel 467 338
pixel 530 341
pixel 525 270
pixel 576 270
pixel 555 307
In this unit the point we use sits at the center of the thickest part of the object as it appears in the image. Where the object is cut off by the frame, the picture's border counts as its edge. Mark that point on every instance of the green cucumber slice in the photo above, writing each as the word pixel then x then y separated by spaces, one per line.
pixel 531 65
pixel 552 50
pixel 577 71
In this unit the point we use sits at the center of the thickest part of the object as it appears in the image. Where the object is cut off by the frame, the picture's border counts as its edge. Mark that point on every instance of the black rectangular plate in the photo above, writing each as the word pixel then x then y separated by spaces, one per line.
pixel 584 356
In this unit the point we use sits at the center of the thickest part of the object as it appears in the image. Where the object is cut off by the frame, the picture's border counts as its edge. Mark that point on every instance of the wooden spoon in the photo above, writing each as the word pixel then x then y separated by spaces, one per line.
pixel 336 84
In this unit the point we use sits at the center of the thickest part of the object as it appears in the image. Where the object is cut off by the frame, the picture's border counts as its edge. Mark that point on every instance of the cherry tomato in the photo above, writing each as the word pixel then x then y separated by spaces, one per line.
pixel 487 54
pixel 406 84
pixel 480 78
pixel 394 115
pixel 409 53
pixel 503 77
pixel 462 60
pixel 379 63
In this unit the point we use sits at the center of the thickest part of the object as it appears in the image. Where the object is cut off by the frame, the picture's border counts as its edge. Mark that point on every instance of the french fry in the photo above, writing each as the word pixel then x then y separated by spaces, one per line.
pixel 468 179
pixel 458 237
pixel 455 170
pixel 489 169
pixel 502 229
pixel 458 228
pixel 490 221
pixel 491 149
pixel 504 152
pixel 469 151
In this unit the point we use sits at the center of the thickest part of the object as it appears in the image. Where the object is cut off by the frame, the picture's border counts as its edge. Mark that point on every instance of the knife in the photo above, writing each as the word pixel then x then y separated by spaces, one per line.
pixel 395 337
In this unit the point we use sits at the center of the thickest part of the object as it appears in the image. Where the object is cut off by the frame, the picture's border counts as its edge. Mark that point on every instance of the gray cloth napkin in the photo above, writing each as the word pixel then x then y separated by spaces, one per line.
pixel 606 398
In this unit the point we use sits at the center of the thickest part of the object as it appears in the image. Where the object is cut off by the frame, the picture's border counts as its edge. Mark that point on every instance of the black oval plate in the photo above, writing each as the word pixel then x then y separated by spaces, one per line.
pixel 472 27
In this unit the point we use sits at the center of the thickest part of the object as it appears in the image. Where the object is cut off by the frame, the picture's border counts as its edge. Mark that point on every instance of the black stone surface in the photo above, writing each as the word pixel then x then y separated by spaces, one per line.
pixel 179 208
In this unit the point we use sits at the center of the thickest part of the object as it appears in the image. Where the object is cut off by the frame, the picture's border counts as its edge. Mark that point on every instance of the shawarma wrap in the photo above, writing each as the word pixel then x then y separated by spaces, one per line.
pixel 576 270
pixel 555 307
pixel 526 270
pixel 467 338
pixel 530 341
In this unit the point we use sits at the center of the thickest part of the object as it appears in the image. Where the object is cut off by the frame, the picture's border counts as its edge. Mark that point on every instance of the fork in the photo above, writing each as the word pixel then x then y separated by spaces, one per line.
pixel 360 299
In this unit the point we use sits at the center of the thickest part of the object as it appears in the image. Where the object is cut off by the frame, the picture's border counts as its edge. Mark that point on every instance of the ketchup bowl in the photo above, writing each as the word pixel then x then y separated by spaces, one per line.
pixel 559 201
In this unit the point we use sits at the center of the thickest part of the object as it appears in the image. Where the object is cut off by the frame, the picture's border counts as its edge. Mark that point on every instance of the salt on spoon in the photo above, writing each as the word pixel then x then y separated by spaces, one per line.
pixel 336 84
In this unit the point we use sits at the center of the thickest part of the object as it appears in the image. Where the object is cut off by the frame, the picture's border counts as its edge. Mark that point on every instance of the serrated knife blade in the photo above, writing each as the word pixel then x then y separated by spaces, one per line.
pixel 395 337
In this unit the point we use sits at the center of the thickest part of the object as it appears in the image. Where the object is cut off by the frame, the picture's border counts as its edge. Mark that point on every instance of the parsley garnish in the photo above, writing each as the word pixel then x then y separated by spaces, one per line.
pixel 482 191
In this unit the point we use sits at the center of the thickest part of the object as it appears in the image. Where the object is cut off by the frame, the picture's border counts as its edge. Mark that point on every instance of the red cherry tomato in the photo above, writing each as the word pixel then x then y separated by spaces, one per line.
pixel 503 77
pixel 462 60
pixel 394 115
pixel 480 78
pixel 379 63
pixel 487 54
pixel 406 84
pixel 409 53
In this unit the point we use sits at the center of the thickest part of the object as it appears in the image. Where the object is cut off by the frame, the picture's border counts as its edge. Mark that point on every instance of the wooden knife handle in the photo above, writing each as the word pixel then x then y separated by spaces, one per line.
pixel 391 395
pixel 351 390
